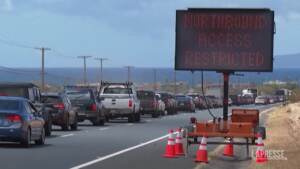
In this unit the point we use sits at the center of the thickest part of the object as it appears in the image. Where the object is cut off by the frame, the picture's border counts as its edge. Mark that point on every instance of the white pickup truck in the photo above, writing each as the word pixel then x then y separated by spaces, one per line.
pixel 120 100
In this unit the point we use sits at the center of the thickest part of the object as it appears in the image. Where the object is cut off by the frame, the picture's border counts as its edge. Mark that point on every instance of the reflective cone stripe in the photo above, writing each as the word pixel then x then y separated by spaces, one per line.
pixel 178 140
pixel 202 147
pixel 171 141
pixel 179 144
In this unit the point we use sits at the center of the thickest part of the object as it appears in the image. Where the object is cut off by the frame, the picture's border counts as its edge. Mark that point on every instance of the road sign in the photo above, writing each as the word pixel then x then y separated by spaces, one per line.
pixel 224 40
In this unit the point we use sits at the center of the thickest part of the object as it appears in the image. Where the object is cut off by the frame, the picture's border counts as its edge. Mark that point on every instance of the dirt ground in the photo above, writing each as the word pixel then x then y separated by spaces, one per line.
pixel 283 133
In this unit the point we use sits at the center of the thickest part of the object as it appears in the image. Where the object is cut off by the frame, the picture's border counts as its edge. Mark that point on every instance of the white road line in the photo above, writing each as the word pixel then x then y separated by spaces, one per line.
pixel 118 153
pixel 67 135
pixel 102 129
pixel 129 124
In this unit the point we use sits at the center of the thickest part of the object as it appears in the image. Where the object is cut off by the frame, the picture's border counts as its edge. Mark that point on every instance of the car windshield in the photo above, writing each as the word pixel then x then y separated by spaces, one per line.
pixel 51 99
pixel 11 105
pixel 117 90
pixel 181 98
pixel 145 95
pixel 79 95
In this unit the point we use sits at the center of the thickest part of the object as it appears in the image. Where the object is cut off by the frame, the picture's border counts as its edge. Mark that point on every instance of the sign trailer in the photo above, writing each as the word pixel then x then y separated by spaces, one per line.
pixel 225 41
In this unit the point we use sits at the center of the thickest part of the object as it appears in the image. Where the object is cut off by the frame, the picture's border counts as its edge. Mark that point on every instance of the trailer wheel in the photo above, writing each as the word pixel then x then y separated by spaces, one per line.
pixel 262 131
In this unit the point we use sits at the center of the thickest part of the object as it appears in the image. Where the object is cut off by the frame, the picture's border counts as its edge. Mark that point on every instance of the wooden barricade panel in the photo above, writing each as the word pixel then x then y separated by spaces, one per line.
pixel 245 115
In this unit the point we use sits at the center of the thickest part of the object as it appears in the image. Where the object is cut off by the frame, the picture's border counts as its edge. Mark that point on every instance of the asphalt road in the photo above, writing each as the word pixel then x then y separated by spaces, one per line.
pixel 116 145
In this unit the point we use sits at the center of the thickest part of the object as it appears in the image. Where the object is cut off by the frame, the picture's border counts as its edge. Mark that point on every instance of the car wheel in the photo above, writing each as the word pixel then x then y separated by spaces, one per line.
pixel 98 121
pixel 262 131
pixel 48 127
pixel 74 126
pixel 27 140
pixel 65 126
pixel 174 111
pixel 131 118
pixel 137 117
pixel 41 141
pixel 155 114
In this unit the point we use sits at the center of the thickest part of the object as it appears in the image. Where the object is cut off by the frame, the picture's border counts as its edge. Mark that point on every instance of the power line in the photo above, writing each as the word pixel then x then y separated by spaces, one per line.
pixel 62 55
pixel 15 44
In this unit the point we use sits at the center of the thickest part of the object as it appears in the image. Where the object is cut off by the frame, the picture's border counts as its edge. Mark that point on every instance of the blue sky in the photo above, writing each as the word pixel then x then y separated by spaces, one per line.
pixel 128 32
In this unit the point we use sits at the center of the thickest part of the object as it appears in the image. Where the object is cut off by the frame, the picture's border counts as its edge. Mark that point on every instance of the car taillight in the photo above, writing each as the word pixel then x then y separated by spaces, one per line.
pixel 130 103
pixel 14 118
pixel 59 106
pixel 93 107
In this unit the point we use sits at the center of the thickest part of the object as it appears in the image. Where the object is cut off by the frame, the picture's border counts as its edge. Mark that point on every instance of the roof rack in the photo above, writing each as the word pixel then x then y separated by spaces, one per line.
pixel 113 83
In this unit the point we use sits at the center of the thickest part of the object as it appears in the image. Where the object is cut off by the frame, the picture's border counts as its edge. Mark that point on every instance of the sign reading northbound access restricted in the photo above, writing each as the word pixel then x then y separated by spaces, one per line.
pixel 224 40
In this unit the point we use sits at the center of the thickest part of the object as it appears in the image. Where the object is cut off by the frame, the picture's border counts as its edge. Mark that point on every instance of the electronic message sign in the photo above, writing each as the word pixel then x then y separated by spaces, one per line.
pixel 224 40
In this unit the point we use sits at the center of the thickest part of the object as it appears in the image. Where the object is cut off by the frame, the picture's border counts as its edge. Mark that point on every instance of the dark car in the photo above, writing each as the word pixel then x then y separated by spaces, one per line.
pixel 185 103
pixel 62 112
pixel 20 121
pixel 196 100
pixel 31 92
pixel 88 106
pixel 148 103
pixel 214 101
pixel 170 103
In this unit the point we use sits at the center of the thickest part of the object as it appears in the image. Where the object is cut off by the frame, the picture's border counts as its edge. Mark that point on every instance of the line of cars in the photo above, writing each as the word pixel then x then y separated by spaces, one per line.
pixel 27 115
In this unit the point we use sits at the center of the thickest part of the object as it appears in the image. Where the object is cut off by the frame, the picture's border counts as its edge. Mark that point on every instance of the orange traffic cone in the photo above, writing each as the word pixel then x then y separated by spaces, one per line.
pixel 228 149
pixel 261 155
pixel 179 146
pixel 170 149
pixel 201 155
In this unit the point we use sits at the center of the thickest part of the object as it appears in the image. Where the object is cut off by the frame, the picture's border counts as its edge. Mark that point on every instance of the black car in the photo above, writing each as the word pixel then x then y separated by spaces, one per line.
pixel 31 92
pixel 185 103
pixel 20 121
pixel 88 106
pixel 62 112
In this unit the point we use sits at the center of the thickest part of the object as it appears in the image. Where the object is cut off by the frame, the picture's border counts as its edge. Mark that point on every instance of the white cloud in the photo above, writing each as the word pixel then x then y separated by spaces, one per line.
pixel 6 5
pixel 294 15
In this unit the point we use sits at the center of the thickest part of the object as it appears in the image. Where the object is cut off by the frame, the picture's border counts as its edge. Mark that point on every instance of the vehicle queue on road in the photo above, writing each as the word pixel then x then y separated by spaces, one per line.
pixel 27 115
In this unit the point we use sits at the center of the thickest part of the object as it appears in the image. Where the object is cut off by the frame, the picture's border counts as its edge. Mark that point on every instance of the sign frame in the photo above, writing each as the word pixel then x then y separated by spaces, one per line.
pixel 228 10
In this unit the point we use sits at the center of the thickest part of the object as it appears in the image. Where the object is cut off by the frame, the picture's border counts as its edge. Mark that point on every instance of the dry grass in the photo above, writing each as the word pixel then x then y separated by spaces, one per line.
pixel 283 133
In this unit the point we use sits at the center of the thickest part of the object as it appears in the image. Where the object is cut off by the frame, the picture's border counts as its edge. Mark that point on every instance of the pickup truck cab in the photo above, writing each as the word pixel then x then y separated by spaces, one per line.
pixel 120 100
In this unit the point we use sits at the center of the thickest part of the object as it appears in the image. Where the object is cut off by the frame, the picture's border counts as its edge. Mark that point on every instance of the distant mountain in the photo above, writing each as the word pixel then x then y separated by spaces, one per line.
pixel 142 75
pixel 287 61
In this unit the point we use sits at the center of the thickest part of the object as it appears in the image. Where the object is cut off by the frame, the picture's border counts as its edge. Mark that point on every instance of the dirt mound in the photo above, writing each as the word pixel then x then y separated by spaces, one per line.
pixel 283 133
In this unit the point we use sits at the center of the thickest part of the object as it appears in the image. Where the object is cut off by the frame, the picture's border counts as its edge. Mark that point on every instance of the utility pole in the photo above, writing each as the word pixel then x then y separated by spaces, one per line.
pixel 193 81
pixel 100 78
pixel 84 68
pixel 128 72
pixel 155 80
pixel 43 49
pixel 175 81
